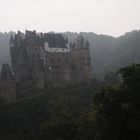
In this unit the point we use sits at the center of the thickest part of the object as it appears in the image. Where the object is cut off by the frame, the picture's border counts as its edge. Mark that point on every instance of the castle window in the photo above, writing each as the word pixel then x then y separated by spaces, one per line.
pixel 58 67
pixel 73 68
pixel 67 61
pixel 88 64
pixel 36 48
pixel 83 58
pixel 83 64
pixel 52 60
pixel 58 60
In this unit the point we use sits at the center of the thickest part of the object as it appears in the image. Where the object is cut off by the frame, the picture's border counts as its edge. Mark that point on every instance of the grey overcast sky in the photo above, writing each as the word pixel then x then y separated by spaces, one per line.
pixel 111 17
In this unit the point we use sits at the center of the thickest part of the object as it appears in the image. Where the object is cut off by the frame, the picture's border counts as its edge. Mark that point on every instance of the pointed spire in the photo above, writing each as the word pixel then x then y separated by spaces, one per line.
pixel 11 42
pixel 74 45
pixel 66 40
pixel 11 38
pixel 70 43
pixel 87 44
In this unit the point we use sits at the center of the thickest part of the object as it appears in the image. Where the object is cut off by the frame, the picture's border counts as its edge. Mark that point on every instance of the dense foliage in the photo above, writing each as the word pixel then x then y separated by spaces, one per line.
pixel 86 111
pixel 116 110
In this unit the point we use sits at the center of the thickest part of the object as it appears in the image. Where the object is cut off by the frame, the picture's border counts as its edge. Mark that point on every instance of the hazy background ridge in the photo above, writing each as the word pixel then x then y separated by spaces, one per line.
pixel 107 53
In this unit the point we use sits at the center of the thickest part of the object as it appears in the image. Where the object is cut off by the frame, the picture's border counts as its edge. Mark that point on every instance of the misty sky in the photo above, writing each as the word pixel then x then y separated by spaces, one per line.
pixel 111 17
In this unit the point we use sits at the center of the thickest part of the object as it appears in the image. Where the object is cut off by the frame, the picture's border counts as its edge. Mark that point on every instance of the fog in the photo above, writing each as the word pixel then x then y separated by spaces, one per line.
pixel 111 17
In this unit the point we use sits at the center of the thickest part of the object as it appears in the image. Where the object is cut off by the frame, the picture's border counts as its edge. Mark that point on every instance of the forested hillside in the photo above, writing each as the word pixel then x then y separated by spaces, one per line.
pixel 108 54
pixel 83 112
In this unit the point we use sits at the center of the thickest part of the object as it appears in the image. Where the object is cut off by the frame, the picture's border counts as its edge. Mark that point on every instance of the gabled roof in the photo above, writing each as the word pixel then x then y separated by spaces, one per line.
pixel 55 40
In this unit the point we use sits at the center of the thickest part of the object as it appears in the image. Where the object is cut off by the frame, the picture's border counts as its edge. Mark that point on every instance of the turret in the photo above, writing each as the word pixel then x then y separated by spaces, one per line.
pixel 87 44
pixel 11 42
pixel 18 40
pixel 22 65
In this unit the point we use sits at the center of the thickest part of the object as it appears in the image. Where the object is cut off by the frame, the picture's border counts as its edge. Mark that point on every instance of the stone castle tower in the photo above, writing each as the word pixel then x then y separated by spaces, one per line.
pixel 49 59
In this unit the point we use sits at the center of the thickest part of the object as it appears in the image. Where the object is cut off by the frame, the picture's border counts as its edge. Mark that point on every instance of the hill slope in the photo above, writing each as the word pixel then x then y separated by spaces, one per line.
pixel 107 53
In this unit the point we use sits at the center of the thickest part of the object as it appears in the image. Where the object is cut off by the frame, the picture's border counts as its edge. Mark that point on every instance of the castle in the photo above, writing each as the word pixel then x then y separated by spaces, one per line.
pixel 49 59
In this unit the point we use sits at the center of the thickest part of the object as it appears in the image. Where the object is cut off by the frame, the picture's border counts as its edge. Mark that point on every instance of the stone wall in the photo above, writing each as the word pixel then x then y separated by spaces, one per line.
pixel 81 64
pixel 58 68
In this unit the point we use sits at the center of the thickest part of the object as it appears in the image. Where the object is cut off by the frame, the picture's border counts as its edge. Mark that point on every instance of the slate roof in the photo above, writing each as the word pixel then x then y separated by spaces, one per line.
pixel 55 40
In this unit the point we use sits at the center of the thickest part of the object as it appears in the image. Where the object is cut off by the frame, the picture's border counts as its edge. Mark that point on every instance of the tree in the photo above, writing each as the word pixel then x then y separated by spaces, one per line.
pixel 116 110
pixel 111 78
